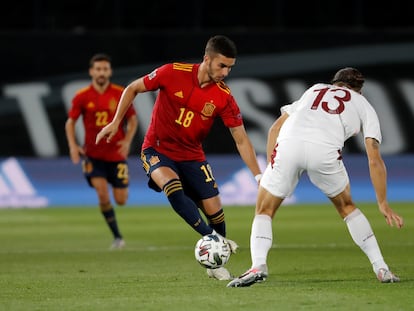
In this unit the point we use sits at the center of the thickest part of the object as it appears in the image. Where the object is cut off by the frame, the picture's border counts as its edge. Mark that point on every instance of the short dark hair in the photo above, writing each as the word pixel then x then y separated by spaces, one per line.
pixel 98 58
pixel 350 76
pixel 220 44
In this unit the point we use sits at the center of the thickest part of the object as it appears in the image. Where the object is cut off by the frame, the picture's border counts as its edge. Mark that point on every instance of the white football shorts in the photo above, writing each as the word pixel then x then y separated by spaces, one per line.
pixel 323 164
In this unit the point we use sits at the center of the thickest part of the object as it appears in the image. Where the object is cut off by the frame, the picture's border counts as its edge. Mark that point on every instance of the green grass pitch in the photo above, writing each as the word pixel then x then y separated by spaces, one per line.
pixel 58 259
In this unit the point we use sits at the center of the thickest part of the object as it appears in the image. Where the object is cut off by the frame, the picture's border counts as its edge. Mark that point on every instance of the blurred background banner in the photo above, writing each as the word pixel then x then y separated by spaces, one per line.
pixel 46 47
pixel 33 113
pixel 34 182
pixel 284 47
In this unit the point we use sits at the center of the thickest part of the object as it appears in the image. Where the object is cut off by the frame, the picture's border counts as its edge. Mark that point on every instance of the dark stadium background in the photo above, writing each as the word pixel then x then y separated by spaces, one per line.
pixel 52 40
pixel 45 46
pixel 44 37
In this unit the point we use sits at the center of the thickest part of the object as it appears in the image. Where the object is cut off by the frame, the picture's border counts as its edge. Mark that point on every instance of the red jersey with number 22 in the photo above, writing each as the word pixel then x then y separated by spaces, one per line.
pixel 97 111
pixel 184 112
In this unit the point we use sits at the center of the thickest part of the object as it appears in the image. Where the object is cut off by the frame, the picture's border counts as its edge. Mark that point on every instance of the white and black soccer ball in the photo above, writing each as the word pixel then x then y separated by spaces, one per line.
pixel 212 251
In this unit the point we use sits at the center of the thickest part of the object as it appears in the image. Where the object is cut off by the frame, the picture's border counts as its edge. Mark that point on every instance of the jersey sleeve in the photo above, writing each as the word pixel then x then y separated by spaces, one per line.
pixel 231 115
pixel 154 80
pixel 287 108
pixel 370 122
pixel 76 109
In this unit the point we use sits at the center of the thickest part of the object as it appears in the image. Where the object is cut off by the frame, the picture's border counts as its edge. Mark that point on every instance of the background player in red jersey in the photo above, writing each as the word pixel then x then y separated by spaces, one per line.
pixel 104 163
pixel 190 97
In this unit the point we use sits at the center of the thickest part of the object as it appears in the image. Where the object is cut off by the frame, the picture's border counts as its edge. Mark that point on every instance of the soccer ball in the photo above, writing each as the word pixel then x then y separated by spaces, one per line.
pixel 212 251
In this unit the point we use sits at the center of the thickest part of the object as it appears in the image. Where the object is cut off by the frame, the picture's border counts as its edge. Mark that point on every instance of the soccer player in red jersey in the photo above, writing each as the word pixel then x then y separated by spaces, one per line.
pixel 190 97
pixel 104 163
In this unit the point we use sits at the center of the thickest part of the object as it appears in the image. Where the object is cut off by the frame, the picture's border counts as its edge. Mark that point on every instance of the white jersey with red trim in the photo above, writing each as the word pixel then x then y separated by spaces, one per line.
pixel 329 115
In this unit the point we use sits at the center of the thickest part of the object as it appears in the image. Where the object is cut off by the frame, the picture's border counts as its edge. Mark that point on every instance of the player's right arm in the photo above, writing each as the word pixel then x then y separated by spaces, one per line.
pixel 245 149
pixel 74 149
pixel 127 97
pixel 378 174
pixel 273 133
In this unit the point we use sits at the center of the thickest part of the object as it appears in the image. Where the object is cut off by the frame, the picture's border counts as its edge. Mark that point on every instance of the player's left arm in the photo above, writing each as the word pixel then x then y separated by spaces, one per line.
pixel 75 150
pixel 245 148
pixel 378 174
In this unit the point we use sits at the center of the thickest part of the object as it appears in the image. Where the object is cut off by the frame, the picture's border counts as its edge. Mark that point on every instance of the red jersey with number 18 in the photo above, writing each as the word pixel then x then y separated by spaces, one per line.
pixel 184 112
pixel 97 111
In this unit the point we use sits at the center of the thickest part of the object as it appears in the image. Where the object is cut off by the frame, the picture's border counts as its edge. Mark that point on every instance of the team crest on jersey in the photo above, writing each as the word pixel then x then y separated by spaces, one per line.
pixel 90 105
pixel 179 94
pixel 152 75
pixel 154 160
pixel 208 109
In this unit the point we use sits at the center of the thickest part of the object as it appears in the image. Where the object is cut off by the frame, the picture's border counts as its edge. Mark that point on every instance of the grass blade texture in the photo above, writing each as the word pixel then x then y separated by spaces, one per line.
pixel 59 259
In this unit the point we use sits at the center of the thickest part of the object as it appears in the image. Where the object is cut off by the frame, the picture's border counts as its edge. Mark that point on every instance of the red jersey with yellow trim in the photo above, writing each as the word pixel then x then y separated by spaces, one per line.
pixel 184 112
pixel 97 111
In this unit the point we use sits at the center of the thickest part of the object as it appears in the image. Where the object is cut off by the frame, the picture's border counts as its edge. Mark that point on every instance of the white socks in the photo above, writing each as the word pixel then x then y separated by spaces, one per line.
pixel 260 239
pixel 363 236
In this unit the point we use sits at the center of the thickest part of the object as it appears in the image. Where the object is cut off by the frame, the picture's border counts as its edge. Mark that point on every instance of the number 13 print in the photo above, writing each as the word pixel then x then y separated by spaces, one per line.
pixel 346 96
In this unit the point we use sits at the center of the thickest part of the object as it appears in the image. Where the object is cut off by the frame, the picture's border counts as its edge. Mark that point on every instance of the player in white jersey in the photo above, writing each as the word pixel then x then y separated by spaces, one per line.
pixel 313 134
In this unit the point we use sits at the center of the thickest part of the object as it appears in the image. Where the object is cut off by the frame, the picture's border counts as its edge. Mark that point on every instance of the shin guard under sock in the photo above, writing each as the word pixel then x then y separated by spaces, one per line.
pixel 185 207
pixel 217 222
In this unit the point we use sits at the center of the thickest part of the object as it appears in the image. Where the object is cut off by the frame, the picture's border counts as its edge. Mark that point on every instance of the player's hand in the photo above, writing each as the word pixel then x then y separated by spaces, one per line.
pixel 124 147
pixel 107 132
pixel 76 153
pixel 391 217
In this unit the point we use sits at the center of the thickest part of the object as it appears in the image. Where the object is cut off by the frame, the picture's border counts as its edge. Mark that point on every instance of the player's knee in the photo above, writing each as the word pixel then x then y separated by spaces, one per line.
pixel 121 196
pixel 121 200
